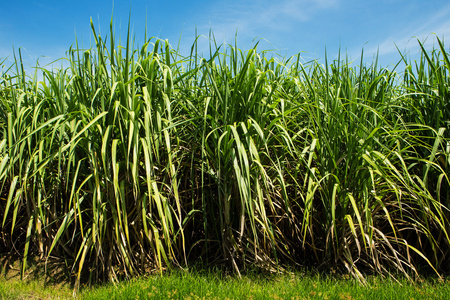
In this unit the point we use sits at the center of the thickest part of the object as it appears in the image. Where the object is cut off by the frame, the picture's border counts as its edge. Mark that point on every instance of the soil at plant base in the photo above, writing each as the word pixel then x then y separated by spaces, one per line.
pixel 39 281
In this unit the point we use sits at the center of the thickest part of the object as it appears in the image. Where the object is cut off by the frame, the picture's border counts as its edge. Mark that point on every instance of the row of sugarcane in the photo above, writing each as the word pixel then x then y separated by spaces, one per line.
pixel 133 160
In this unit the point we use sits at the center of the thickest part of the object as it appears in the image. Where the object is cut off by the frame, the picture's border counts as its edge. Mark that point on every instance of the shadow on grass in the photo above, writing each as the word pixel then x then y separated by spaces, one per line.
pixel 51 272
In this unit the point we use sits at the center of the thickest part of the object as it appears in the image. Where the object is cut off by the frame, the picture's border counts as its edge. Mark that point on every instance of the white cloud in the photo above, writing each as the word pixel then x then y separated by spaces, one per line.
pixel 437 25
pixel 250 17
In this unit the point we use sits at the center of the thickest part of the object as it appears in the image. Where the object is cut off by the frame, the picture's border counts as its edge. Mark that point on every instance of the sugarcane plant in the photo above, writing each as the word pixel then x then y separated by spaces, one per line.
pixel 138 159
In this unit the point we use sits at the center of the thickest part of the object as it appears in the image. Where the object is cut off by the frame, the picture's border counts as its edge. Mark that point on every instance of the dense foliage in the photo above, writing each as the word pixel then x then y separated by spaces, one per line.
pixel 132 160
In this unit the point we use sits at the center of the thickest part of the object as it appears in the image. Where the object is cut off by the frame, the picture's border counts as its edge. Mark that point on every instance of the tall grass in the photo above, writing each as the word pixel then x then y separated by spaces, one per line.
pixel 138 159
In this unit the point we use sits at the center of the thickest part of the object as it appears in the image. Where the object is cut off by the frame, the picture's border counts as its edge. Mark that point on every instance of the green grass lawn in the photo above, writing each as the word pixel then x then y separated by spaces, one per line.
pixel 295 286
pixel 216 285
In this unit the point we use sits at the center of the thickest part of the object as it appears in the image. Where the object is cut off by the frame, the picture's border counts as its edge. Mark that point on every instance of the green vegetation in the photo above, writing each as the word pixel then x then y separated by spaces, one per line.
pixel 215 285
pixel 299 286
pixel 36 283
pixel 32 289
pixel 136 160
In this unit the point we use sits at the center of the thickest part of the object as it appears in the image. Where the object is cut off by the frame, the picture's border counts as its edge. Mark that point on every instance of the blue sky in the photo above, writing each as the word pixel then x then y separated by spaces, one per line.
pixel 46 29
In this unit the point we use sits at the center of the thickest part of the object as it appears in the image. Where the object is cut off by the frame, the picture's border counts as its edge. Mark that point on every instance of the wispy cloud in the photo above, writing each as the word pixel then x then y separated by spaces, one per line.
pixel 256 19
pixel 436 25
pixel 253 17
